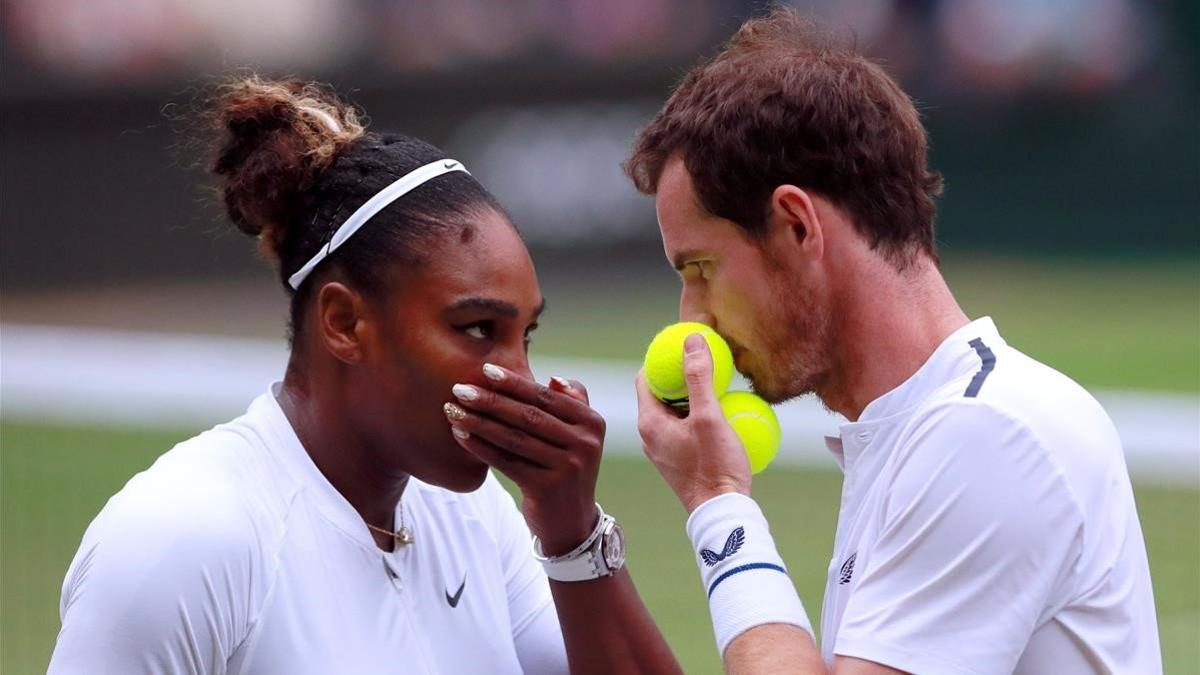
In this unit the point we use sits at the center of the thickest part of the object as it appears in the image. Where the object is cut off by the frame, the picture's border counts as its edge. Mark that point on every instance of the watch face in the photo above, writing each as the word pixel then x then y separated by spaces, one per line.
pixel 614 547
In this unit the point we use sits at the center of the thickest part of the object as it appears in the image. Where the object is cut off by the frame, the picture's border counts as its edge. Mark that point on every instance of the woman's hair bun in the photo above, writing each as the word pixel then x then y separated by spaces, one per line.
pixel 275 138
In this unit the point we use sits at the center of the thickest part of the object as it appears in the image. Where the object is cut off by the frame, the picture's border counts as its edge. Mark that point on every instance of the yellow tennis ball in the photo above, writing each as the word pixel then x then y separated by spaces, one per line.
pixel 664 362
pixel 755 424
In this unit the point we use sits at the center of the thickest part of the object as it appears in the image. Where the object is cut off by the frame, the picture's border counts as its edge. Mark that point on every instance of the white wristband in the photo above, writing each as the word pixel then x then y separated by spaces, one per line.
pixel 746 580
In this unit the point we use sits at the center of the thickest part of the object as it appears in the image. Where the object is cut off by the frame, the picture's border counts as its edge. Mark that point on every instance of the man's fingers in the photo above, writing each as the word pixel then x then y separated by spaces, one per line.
pixel 654 417
pixel 648 405
pixel 698 372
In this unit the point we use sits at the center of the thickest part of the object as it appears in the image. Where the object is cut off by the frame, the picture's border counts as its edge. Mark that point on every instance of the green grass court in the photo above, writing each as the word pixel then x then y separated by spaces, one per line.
pixel 54 479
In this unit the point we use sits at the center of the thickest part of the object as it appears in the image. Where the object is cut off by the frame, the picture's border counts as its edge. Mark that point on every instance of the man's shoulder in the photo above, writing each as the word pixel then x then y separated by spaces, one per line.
pixel 1022 416
pixel 1018 393
pixel 1021 383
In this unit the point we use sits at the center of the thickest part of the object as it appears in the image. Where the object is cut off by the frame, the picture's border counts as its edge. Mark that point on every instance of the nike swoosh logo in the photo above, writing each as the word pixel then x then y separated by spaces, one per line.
pixel 453 599
pixel 450 165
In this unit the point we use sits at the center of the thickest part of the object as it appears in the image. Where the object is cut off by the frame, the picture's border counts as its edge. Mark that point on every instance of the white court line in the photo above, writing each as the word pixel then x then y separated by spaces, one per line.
pixel 123 378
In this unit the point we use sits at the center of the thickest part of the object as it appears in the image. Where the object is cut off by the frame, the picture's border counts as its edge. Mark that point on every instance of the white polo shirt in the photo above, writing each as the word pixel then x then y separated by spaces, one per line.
pixel 233 554
pixel 988 525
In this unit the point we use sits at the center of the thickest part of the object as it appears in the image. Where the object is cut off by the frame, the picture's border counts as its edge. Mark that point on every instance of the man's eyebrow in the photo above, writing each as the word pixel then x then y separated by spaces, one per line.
pixel 492 304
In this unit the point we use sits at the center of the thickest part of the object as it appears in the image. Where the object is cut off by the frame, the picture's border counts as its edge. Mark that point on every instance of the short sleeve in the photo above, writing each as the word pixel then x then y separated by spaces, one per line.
pixel 536 631
pixel 162 583
pixel 978 528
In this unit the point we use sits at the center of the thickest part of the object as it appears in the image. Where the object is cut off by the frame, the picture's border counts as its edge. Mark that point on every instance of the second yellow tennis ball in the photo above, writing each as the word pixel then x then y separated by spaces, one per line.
pixel 664 362
pixel 755 424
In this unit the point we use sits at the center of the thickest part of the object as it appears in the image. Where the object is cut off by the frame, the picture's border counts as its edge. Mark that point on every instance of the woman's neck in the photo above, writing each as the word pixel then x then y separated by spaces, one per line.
pixel 343 455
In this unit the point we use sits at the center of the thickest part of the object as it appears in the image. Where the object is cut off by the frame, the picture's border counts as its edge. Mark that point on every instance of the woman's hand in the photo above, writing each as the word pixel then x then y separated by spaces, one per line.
pixel 547 439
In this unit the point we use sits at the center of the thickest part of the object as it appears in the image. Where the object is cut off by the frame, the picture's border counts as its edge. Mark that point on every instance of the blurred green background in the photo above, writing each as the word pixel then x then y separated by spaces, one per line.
pixel 1066 132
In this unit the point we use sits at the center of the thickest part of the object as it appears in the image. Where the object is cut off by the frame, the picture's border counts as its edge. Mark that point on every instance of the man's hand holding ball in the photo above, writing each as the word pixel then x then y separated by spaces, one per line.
pixel 700 456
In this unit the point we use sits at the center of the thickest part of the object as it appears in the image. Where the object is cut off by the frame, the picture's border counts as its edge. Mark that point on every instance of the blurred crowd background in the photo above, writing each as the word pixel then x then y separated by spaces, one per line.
pixel 1064 126
pixel 1068 132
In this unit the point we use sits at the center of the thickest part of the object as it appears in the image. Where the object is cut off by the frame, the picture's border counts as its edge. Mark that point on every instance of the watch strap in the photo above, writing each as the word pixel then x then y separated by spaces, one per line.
pixel 582 563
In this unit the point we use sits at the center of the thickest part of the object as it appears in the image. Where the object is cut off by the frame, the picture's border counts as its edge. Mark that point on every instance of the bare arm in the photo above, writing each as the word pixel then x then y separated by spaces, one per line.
pixel 788 650
pixel 607 628
pixel 774 648
pixel 549 441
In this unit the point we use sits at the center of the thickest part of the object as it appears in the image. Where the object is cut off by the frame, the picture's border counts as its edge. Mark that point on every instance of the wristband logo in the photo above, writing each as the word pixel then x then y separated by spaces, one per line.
pixel 732 544
pixel 847 571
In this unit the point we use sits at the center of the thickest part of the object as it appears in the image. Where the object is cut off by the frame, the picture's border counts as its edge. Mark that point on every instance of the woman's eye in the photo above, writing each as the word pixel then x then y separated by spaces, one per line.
pixel 479 331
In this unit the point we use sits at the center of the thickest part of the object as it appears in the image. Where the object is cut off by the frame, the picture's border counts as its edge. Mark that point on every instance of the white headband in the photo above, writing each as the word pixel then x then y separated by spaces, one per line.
pixel 405 184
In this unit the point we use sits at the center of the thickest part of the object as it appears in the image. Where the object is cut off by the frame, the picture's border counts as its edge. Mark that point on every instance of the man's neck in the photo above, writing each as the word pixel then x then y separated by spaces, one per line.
pixel 887 329
pixel 340 454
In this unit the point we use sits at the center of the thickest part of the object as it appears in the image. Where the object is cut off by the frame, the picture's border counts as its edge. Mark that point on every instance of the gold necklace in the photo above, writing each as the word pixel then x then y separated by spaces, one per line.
pixel 401 536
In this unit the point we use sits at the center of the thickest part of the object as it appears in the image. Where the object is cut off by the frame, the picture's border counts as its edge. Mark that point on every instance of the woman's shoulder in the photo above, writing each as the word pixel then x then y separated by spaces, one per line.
pixel 212 492
pixel 185 543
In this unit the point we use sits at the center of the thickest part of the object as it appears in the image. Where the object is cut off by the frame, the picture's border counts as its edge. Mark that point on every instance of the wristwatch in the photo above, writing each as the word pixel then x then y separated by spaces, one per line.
pixel 600 555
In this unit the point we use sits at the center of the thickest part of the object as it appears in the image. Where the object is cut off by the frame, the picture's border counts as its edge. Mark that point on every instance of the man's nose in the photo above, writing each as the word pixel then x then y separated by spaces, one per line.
pixel 692 307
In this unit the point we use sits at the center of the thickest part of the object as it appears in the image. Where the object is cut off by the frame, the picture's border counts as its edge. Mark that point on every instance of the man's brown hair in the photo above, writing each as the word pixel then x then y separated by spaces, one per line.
pixel 785 103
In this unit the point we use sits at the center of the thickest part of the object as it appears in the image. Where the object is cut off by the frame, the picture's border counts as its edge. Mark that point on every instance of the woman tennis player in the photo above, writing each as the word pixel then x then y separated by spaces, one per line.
pixel 348 522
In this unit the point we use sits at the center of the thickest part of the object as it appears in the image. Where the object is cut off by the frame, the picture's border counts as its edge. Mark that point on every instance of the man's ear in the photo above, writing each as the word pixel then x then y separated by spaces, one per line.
pixel 342 320
pixel 793 217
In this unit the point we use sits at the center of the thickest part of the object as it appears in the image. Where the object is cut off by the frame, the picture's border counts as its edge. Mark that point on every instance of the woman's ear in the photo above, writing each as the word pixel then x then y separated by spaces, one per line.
pixel 342 320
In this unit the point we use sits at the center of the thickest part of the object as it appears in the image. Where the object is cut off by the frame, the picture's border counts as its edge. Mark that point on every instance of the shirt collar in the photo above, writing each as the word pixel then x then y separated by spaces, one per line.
pixel 287 449
pixel 952 359
pixel 834 445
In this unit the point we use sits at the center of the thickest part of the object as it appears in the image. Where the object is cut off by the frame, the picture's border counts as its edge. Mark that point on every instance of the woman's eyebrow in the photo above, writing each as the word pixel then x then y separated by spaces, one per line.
pixel 492 304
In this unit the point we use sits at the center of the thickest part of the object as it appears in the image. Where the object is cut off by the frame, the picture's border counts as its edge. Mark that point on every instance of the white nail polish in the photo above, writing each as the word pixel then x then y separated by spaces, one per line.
pixel 460 433
pixel 465 392
pixel 493 372
pixel 562 382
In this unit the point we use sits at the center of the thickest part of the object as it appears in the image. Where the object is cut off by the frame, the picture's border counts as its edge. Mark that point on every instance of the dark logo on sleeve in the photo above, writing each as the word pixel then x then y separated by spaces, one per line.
pixel 732 544
pixel 452 600
pixel 847 569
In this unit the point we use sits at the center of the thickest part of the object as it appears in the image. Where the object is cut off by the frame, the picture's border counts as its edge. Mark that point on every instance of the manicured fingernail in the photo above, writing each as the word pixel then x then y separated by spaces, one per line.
pixel 493 372
pixel 561 381
pixel 454 412
pixel 460 433
pixel 465 392
pixel 693 343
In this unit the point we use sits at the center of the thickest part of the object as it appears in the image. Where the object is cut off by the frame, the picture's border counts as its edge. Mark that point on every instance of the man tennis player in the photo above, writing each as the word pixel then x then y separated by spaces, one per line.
pixel 987 522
